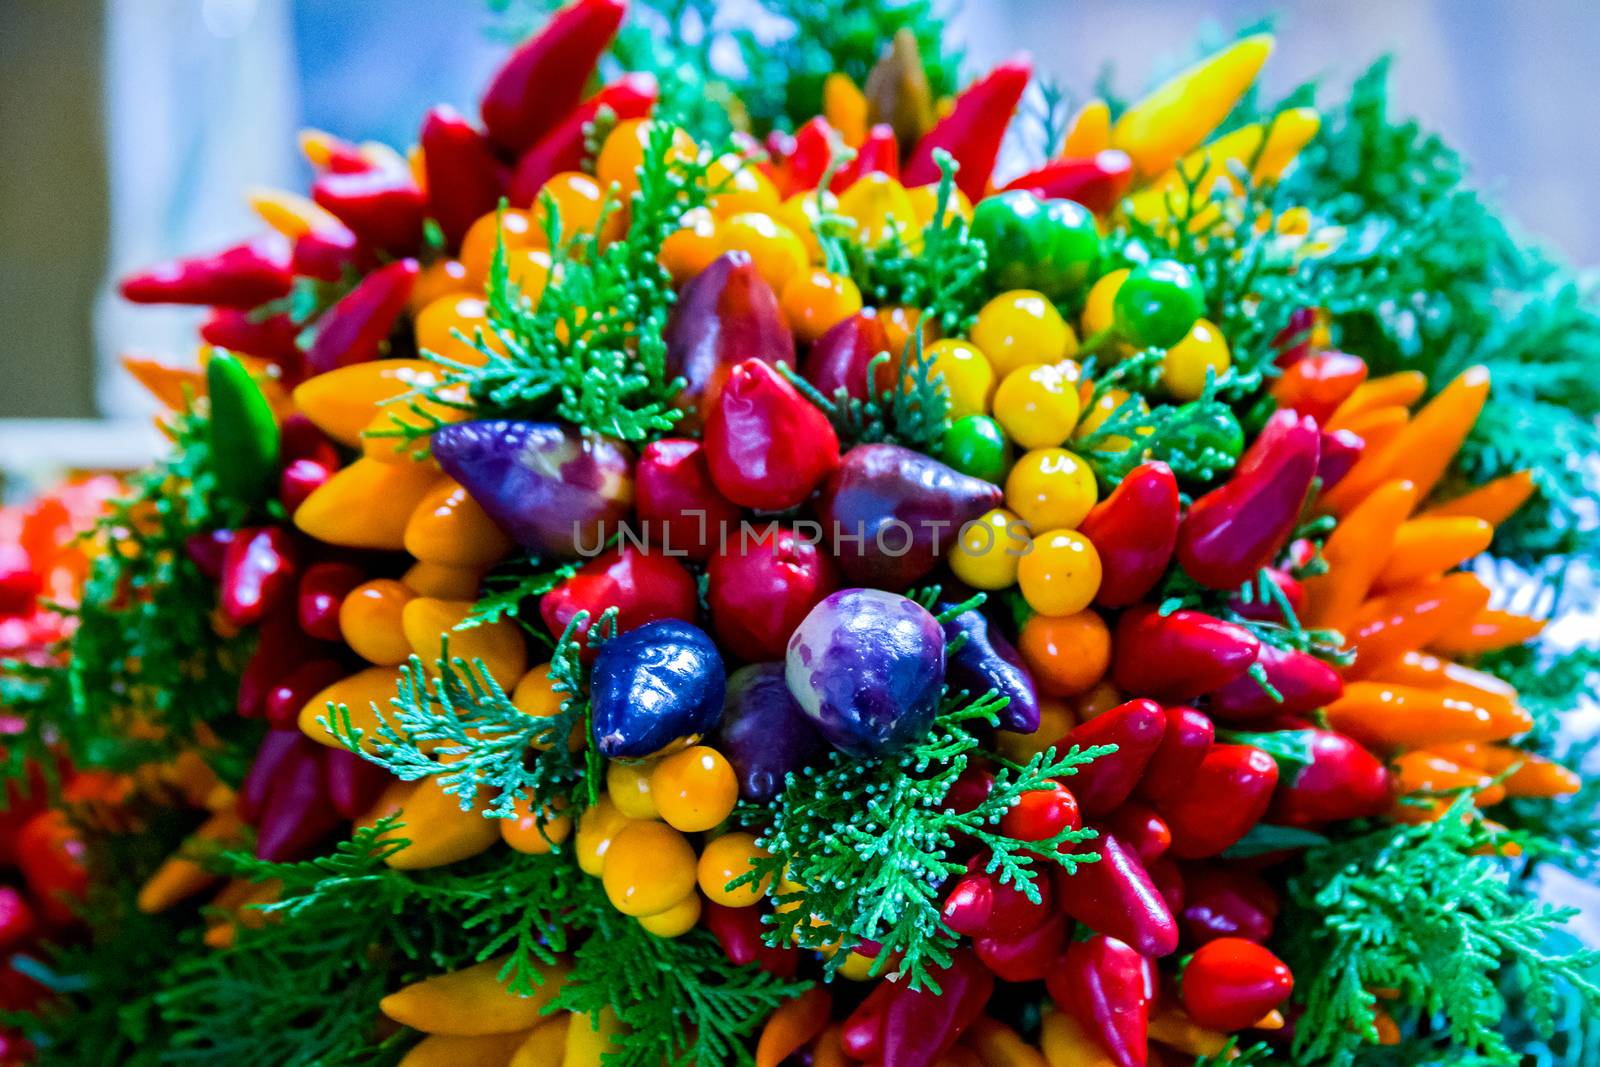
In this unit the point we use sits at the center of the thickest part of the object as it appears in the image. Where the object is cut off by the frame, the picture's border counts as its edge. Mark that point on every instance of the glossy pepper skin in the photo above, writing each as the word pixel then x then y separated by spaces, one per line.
pixel 739 932
pixel 322 589
pixel 382 207
pixel 463 178
pixel 897 1026
pixel 243 434
pixel 972 131
pixel 764 733
pixel 1233 531
pixel 328 252
pixel 286 796
pixel 1228 795
pixel 1102 983
pixel 840 357
pixel 543 79
pixel 1342 781
pixel 1048 245
pixel 1098 182
pixel 644 587
pixel 656 688
pixel 979 906
pixel 551 488
pixel 562 149
pixel 1341 451
pixel 357 328
pixel 1315 385
pixel 281 646
pixel 242 277
pixel 985 661
pixel 878 153
pixel 274 338
pixel 1226 900
pixel 1028 957
pixel 1303 683
pixel 1134 530
pixel 51 854
pixel 725 315
pixel 893 512
pixel 259 569
pixel 1136 729
pixel 1178 656
pixel 1230 983
pixel 1184 744
pixel 1115 896
pixel 675 499
pixel 767 446
pixel 761 587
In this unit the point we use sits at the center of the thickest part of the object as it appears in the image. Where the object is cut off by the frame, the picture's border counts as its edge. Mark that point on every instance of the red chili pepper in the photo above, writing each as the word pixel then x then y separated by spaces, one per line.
pixel 20 801
pixel 384 208
pixel 972 132
pixel 17 923
pixel 292 691
pixel 767 446
pixel 1226 901
pixel 1027 958
pixel 807 155
pixel 978 905
pixel 543 79
pixel 1268 609
pixel 1233 531
pixel 1230 983
pixel 1136 729
pixel 629 97
pixel 258 573
pixel 1168 880
pixel 1040 814
pixel 353 783
pixel 642 586
pixel 463 177
pixel 680 508
pixel 1103 983
pixel 761 587
pixel 839 359
pixel 299 438
pixel 299 480
pixel 878 154
pixel 51 853
pixel 328 252
pixel 1098 182
pixel 1178 656
pixel 1293 342
pixel 738 931
pixel 281 646
pixel 1184 744
pixel 274 338
pixel 1134 530
pixel 1302 681
pixel 20 581
pixel 1340 451
pixel 726 314
pixel 1229 794
pixel 1140 827
pixel 1317 384
pixel 238 277
pixel 321 592
pixel 272 755
pixel 1115 896
pixel 357 328
pixel 897 1026
pixel 1342 781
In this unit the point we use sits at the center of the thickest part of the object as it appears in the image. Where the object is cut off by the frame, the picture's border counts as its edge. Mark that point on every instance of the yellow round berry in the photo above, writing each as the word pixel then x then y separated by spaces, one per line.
pixel 1102 409
pixel 880 208
pixel 816 300
pixel 649 868
pixel 800 213
pixel 1037 404
pixel 968 378
pixel 1097 306
pixel 777 252
pixel 692 247
pixel 1183 368
pixel 925 204
pixel 676 920
pixel 1021 327
pixel 1050 489
pixel 628 786
pixel 598 826
pixel 572 203
pixel 1061 575
pixel 694 789
pixel 986 554
pixel 726 858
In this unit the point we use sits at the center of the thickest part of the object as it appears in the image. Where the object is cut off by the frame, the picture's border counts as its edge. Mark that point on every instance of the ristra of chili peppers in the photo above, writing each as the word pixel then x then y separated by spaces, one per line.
pixel 1098 182
pixel 382 207
pixel 972 131
pixel 1116 897
pixel 242 276
pixel 1232 532
pixel 562 148
pixel 1180 655
pixel 1104 984
pixel 1227 796
pixel 356 328
pixel 1134 531
pixel 1231 983
pixel 462 176
pixel 243 433
pixel 543 79
pixel 1136 729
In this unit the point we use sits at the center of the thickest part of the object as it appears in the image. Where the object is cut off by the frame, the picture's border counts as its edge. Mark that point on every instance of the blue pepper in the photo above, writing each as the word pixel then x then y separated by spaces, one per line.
pixel 657 688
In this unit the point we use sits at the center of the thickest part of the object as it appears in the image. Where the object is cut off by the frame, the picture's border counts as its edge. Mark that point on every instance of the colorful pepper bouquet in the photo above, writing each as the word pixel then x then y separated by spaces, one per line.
pixel 685 568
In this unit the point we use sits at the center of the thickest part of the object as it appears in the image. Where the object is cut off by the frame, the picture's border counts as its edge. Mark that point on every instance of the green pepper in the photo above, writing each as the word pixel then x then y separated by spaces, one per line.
pixel 1047 245
pixel 1201 442
pixel 243 433
pixel 1157 304
pixel 976 445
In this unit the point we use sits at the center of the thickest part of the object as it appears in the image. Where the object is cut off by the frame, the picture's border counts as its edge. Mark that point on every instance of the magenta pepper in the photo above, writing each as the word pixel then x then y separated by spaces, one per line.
pixel 761 586
pixel 327 253
pixel 299 438
pixel 1134 530
pixel 1104 984
pixel 281 646
pixel 1228 795
pixel 1233 531
pixel 739 930
pixel 321 592
pixel 1226 901
pixel 1303 683
pixel 297 812
pixel 1180 655
pixel 1136 729
pixel 384 208
pixel 905 1027
pixel 207 551
pixel 1166 876
pixel 1268 609
pixel 298 480
pixel 463 177
pixel 1184 743
pixel 879 153
pixel 972 131
pixel 725 315
pixel 1115 896
pixel 238 277
pixel 839 359
pixel 767 446
pixel 17 921
pixel 294 690
pixel 1140 827
pixel 1230 983
pixel 273 755
pixel 1340 451
pixel 543 79
pixel 642 586
pixel 1098 182
pixel 357 328
pixel 1293 342
pixel 274 338
pixel 679 507
pixel 1342 781
pixel 1028 957
pixel 258 573
pixel 629 97
pixel 353 783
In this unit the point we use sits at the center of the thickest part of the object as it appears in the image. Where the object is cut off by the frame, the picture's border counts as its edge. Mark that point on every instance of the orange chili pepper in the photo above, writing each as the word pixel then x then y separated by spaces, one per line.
pixel 1378 431
pixel 1088 132
pixel 1465 753
pixel 1388 1030
pixel 1171 1025
pixel 1488 630
pixel 172 386
pixel 1494 847
pixel 1428 772
pixel 1402 389
pixel 180 877
pixel 1538 776
pixel 1389 626
pixel 1493 502
pixel 1427 547
pixel 1355 551
pixel 793 1026
pixel 829 1049
pixel 1427 671
pixel 1385 716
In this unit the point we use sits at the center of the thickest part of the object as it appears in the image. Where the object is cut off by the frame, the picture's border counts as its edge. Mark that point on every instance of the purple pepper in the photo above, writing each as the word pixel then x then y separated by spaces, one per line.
pixel 840 357
pixel 764 733
pixel 867 667
pixel 353 783
pixel 271 756
pixel 551 489
pixel 724 316
pixel 298 812
pixel 985 661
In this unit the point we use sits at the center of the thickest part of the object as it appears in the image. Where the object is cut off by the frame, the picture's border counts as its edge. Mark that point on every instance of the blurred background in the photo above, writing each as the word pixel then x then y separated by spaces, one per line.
pixel 131 127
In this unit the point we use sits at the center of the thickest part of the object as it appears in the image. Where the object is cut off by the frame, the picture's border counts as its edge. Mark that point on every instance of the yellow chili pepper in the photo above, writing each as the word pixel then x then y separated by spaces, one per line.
pixel 428 622
pixel 845 107
pixel 436 579
pixel 1426 548
pixel 345 401
pixel 439 831
pixel 829 1049
pixel 472 1001
pixel 1157 130
pixel 1355 551
pixel 997 1045
pixel 1065 1043
pixel 1171 1025
pixel 171 385
pixel 448 527
pixel 359 692
pixel 1493 502
pixel 289 213
pixel 1291 130
pixel 587 1040
pixel 366 505
pixel 1088 132
pixel 180 877
pixel 486 1050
